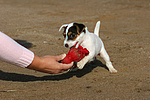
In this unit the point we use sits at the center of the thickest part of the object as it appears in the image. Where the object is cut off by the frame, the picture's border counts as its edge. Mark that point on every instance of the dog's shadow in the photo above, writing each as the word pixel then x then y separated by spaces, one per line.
pixel 7 76
pixel 89 67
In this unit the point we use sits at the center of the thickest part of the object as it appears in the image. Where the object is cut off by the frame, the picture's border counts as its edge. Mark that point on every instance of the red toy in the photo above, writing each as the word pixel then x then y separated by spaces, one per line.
pixel 75 54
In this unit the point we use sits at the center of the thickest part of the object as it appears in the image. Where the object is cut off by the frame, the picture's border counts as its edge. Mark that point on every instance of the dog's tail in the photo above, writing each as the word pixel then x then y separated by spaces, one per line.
pixel 97 27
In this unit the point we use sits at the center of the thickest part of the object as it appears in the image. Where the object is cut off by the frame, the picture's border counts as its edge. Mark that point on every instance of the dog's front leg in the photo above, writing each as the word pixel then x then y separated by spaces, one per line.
pixel 82 63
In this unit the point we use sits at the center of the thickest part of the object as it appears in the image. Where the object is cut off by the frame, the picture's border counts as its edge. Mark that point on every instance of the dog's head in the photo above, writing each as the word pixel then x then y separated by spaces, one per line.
pixel 73 33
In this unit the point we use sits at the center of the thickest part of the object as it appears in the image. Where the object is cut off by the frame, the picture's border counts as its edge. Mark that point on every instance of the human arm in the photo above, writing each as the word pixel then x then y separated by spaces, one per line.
pixel 13 53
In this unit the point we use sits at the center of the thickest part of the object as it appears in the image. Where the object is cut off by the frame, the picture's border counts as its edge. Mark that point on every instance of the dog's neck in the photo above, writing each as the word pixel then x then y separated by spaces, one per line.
pixel 82 37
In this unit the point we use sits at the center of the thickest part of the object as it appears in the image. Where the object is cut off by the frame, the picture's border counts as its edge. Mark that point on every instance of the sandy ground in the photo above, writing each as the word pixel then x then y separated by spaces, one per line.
pixel 125 31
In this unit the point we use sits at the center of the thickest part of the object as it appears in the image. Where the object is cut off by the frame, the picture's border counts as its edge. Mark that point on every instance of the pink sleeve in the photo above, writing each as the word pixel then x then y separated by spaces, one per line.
pixel 13 53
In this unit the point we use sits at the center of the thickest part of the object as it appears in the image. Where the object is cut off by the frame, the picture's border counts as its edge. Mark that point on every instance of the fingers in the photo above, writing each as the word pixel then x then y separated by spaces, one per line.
pixel 66 66
pixel 60 57
pixel 63 66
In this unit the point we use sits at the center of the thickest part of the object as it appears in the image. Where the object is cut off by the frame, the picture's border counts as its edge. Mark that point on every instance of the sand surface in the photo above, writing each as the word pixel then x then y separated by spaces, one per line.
pixel 125 31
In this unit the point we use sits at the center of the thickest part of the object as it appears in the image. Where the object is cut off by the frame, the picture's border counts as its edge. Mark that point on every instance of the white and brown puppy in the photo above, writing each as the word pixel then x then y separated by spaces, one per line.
pixel 75 33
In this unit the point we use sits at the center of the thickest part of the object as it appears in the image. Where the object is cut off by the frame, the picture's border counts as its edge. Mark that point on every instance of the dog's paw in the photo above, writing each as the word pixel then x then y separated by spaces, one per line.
pixel 80 65
pixel 113 70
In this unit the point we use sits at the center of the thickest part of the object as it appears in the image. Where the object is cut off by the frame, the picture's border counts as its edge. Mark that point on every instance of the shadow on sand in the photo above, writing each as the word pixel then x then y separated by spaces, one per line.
pixel 24 43
pixel 7 76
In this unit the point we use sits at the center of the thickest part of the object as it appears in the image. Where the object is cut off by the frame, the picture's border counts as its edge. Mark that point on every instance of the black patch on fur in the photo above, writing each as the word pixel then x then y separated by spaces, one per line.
pixel 72 33
pixel 81 27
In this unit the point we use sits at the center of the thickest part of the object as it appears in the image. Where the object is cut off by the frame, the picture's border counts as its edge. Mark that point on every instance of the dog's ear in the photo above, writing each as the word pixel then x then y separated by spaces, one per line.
pixel 63 26
pixel 80 27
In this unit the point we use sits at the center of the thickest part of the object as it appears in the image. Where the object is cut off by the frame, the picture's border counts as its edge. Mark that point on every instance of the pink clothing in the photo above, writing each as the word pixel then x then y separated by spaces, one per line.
pixel 13 53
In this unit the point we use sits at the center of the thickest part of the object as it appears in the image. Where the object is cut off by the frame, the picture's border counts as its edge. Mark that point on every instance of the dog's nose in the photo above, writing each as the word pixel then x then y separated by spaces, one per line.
pixel 66 45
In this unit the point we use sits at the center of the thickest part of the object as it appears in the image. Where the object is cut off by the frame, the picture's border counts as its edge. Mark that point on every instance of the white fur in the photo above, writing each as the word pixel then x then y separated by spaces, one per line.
pixel 96 30
pixel 93 44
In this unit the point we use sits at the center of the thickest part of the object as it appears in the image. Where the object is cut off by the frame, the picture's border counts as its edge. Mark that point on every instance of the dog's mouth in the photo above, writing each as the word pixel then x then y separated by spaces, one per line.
pixel 74 45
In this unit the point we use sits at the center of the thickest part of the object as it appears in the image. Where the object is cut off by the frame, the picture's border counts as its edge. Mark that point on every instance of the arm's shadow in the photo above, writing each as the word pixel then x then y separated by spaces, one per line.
pixel 7 76
pixel 24 43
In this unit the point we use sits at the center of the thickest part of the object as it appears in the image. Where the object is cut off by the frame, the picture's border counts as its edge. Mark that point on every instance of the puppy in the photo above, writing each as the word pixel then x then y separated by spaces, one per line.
pixel 76 33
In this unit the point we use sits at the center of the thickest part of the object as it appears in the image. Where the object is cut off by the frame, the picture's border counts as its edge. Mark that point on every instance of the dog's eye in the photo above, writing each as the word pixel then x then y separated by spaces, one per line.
pixel 72 36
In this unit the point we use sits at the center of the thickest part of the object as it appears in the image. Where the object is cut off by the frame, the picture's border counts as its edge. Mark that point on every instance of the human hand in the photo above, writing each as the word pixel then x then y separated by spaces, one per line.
pixel 49 64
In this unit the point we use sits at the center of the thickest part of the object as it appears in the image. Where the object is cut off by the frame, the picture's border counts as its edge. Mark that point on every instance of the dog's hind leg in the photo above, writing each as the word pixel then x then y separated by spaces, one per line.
pixel 105 56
